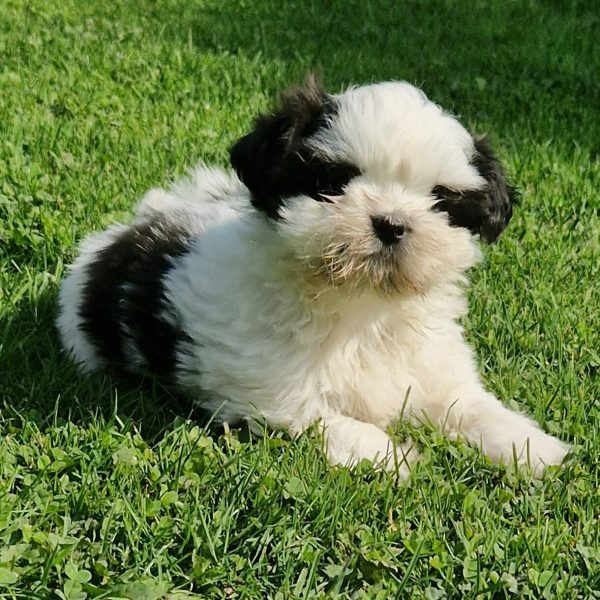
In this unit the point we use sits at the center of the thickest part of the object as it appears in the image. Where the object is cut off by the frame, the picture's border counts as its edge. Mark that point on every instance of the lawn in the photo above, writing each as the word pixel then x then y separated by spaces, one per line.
pixel 116 489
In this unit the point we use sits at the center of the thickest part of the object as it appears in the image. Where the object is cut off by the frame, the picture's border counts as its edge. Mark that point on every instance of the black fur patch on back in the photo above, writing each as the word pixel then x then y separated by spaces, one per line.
pixel 488 211
pixel 275 162
pixel 123 301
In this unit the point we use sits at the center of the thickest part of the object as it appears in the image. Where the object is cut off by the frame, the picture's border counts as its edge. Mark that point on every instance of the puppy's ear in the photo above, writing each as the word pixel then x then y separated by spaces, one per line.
pixel 486 211
pixel 268 160
pixel 499 197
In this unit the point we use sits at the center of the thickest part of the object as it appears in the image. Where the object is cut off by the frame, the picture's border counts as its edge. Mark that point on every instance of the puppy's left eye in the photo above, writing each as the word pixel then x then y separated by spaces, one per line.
pixel 443 195
pixel 438 192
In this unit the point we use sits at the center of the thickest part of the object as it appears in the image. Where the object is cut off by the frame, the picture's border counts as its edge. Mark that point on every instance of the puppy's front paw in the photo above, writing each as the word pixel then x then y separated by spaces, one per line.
pixel 541 451
pixel 503 435
pixel 349 441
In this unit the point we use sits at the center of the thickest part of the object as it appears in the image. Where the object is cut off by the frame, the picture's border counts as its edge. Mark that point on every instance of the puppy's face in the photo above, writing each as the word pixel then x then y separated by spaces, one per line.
pixel 376 186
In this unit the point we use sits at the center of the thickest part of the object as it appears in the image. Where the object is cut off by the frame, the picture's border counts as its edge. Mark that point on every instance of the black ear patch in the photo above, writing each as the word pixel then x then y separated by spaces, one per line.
pixel 486 211
pixel 275 162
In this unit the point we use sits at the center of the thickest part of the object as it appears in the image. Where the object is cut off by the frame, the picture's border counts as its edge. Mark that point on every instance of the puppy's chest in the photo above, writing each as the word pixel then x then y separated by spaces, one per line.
pixel 369 372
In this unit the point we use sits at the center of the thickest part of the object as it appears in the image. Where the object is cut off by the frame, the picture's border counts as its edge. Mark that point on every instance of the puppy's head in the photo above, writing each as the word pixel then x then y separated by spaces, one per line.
pixel 375 186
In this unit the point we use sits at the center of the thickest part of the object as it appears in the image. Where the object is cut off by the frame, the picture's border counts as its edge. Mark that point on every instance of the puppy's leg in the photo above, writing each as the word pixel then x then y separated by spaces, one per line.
pixel 348 441
pixel 502 434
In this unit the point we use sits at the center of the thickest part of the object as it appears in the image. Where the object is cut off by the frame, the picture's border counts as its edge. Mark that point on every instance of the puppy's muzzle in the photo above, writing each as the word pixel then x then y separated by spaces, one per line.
pixel 388 231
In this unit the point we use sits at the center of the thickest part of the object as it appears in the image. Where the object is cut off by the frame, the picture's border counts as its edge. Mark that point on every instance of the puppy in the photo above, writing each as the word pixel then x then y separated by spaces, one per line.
pixel 323 283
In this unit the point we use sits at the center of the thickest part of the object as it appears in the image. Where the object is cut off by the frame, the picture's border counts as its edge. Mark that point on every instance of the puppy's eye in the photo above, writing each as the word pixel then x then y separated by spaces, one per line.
pixel 322 196
pixel 445 196
pixel 329 179
pixel 438 192
pixel 325 193
pixel 441 192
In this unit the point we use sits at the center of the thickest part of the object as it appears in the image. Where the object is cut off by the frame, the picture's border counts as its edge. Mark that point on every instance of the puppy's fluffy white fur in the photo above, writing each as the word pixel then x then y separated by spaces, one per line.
pixel 291 307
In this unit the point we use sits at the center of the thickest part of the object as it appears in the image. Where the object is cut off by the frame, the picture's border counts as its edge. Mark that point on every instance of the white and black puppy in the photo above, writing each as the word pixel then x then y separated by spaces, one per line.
pixel 322 283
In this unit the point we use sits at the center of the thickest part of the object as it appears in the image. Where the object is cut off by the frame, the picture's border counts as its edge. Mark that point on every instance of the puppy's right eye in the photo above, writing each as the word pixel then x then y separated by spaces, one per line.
pixel 322 196
pixel 330 179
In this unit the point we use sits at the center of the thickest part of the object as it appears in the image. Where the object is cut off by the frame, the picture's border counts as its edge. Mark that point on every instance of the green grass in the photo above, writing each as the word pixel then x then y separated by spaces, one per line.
pixel 112 491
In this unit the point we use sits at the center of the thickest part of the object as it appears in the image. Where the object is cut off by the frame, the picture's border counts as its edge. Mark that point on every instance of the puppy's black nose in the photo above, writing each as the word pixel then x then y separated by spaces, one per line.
pixel 388 232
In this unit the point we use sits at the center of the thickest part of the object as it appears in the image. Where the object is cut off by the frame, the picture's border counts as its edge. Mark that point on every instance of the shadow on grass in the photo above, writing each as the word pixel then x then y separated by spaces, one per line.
pixel 40 383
